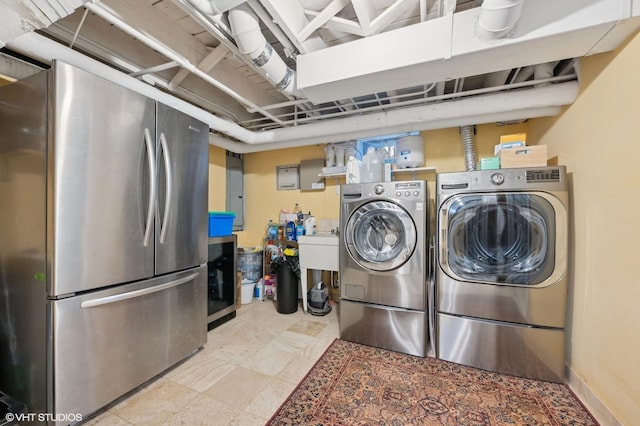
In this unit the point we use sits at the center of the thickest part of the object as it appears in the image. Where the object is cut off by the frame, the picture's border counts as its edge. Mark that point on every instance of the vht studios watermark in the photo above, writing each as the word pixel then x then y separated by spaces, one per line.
pixel 42 417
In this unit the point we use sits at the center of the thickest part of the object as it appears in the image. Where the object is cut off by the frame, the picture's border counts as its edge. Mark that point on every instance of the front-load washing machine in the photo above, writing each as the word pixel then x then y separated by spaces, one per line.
pixel 383 265
pixel 502 270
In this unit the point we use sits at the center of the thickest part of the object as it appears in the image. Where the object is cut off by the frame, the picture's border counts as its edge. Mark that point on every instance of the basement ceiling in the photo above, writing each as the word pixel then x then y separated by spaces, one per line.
pixel 354 68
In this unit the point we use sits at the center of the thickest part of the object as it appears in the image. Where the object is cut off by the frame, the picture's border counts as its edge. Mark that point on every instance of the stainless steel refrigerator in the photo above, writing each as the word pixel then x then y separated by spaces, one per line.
pixel 103 240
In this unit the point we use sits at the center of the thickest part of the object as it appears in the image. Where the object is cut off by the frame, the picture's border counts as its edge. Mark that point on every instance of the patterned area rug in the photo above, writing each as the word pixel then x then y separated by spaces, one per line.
pixel 353 384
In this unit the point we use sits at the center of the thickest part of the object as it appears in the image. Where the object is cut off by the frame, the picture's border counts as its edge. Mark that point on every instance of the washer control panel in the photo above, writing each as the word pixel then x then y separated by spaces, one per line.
pixel 409 190
pixel 405 190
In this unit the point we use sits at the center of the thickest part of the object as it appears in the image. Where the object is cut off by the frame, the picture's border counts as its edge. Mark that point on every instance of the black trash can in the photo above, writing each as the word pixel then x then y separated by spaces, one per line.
pixel 287 270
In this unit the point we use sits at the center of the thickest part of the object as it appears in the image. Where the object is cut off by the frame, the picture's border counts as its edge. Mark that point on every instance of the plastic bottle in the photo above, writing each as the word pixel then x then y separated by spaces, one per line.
pixel 290 231
pixel 353 170
pixel 373 165
pixel 272 230
pixel 298 211
pixel 310 225
pixel 339 156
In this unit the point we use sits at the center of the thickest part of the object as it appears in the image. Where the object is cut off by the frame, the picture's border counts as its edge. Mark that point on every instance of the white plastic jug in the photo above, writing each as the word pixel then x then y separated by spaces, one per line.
pixel 310 225
pixel 373 166
pixel 353 170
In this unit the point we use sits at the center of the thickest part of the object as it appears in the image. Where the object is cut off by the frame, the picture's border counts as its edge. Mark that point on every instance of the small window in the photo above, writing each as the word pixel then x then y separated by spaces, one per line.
pixel 384 145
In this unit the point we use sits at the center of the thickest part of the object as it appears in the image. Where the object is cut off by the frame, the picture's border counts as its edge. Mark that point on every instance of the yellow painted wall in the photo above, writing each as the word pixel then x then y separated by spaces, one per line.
pixel 264 202
pixel 597 139
pixel 217 179
pixel 443 149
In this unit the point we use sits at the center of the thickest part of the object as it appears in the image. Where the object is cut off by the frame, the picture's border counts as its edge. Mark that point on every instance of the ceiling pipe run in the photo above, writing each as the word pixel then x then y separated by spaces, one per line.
pixel 245 29
pixel 216 7
pixel 498 18
pixel 106 14
pixel 503 106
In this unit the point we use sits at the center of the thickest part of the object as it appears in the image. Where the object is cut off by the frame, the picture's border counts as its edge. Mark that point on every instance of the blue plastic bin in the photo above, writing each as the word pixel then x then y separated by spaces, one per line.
pixel 221 223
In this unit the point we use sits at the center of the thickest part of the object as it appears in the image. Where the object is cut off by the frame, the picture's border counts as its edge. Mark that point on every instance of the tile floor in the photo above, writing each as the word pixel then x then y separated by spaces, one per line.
pixel 247 369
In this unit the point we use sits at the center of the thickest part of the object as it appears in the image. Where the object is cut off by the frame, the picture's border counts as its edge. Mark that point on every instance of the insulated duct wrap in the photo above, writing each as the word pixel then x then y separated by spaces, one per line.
pixel 246 31
pixel 468 145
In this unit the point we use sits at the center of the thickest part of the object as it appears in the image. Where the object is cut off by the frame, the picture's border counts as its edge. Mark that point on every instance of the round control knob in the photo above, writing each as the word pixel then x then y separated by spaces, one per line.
pixel 378 189
pixel 407 193
pixel 416 193
pixel 497 178
pixel 398 193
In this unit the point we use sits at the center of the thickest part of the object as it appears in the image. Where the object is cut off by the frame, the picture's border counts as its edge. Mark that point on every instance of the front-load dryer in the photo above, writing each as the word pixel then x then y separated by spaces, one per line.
pixel 383 265
pixel 502 270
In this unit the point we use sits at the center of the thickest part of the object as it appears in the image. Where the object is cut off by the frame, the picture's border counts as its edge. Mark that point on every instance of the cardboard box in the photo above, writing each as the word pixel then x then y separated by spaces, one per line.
pixel 514 137
pixel 528 156
pixel 513 140
pixel 507 145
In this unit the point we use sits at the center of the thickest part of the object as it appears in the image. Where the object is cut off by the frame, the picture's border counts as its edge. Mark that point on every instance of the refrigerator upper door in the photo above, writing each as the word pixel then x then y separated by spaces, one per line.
pixel 181 214
pixel 101 162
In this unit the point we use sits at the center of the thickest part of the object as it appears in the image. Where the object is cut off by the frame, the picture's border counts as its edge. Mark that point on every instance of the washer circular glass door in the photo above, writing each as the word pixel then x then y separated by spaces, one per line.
pixel 499 238
pixel 380 235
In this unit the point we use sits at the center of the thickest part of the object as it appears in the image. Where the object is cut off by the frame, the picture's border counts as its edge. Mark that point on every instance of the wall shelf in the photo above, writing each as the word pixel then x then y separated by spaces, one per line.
pixel 414 171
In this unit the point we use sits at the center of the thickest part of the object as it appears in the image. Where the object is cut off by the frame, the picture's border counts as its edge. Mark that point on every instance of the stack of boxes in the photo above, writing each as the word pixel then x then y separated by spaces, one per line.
pixel 512 152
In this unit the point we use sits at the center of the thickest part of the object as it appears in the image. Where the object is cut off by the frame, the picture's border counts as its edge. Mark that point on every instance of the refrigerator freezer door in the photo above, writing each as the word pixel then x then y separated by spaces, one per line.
pixel 108 342
pixel 101 161
pixel 181 218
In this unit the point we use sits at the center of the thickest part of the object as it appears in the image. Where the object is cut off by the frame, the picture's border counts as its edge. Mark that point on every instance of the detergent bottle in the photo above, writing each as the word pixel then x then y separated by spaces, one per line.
pixel 353 170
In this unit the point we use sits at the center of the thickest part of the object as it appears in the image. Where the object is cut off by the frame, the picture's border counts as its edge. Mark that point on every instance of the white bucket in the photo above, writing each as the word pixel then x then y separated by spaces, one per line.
pixel 247 293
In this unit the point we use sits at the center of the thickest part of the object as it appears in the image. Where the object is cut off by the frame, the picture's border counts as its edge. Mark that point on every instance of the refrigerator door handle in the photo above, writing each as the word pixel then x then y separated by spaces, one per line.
pixel 168 188
pixel 136 293
pixel 152 185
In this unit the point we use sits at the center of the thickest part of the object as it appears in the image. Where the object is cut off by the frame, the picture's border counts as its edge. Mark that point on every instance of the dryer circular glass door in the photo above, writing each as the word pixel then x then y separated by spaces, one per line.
pixel 502 238
pixel 380 235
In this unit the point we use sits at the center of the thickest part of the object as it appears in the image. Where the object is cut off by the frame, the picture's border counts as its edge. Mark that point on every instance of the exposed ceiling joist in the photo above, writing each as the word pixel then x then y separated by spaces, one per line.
pixel 363 67
pixel 366 13
pixel 329 12
pixel 340 24
pixel 384 19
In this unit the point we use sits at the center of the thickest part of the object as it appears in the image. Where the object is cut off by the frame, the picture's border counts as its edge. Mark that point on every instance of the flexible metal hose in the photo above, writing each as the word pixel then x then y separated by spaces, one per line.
pixel 468 145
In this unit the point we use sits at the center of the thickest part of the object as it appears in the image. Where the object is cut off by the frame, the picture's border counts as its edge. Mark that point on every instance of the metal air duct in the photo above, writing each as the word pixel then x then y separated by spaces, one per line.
pixel 468 145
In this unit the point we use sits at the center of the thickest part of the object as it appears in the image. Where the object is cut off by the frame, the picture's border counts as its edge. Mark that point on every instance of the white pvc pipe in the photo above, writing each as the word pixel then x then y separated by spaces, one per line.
pixel 498 18
pixel 110 17
pixel 44 49
pixel 245 29
pixel 216 7
pixel 466 120
pixel 503 106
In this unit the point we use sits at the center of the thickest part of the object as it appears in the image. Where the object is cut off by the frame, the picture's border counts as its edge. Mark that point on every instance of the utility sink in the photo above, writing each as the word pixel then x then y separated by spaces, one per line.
pixel 319 239
pixel 319 251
